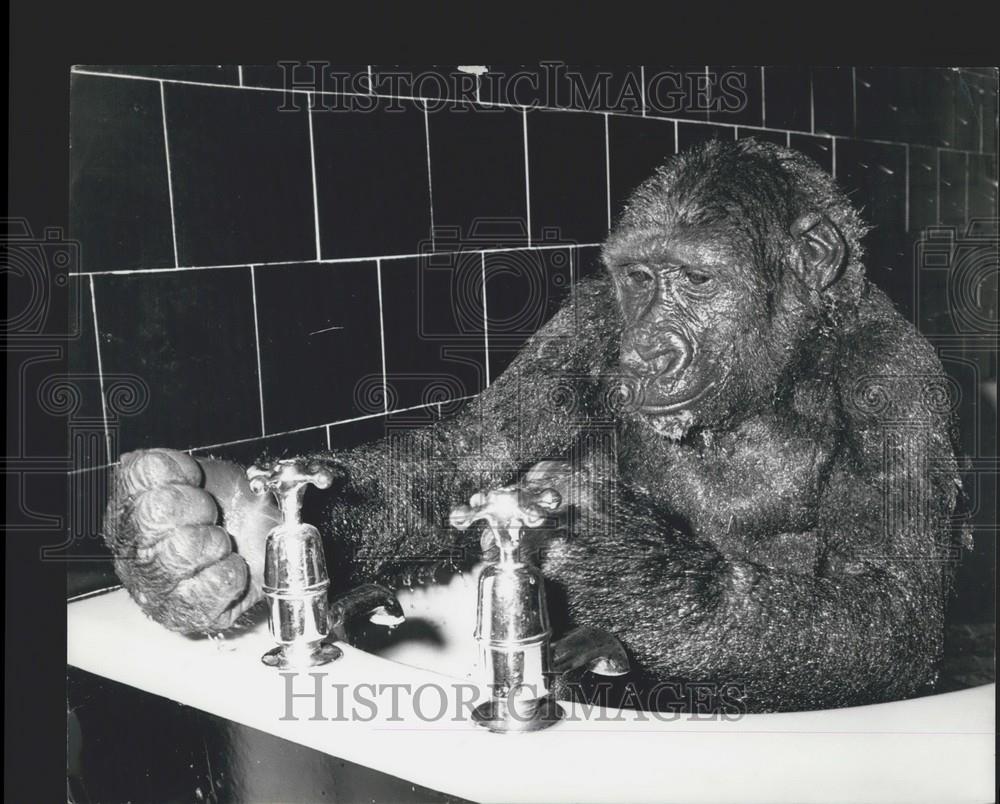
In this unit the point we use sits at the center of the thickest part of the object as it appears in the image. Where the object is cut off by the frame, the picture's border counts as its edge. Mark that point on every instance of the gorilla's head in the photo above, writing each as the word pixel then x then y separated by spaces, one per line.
pixel 723 262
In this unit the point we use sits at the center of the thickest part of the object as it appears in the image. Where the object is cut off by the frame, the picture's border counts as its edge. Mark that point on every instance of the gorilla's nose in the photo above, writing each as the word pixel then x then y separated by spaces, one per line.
pixel 666 354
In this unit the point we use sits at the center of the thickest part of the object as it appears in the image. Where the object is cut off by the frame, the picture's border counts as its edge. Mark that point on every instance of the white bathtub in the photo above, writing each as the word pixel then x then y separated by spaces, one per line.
pixel 939 748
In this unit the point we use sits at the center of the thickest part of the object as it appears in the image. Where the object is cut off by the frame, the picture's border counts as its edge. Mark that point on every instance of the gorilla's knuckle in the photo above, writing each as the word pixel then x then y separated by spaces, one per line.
pixel 147 469
pixel 199 604
pixel 171 505
pixel 189 549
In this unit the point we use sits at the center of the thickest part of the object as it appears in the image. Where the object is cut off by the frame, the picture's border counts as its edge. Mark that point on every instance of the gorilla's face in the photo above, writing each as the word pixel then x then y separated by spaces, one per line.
pixel 689 308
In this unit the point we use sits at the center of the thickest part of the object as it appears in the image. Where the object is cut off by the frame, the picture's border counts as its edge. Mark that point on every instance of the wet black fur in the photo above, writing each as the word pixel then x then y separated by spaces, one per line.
pixel 802 551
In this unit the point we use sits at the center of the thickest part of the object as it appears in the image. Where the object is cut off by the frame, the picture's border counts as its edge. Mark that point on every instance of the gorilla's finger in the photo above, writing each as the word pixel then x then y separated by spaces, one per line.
pixel 233 613
pixel 146 469
pixel 168 506
pixel 198 602
pixel 187 550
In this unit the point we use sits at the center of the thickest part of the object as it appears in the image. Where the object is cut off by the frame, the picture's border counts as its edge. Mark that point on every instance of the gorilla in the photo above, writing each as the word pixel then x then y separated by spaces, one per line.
pixel 755 453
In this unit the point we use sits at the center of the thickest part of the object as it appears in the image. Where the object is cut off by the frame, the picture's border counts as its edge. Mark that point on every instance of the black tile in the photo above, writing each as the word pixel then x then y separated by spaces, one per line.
pixel 890 265
pixel 819 149
pixel 203 73
pixel 777 137
pixel 636 147
pixel 982 186
pixel 119 196
pixel 270 448
pixel 984 98
pixel 320 342
pixel 888 102
pixel 310 76
pixel 786 98
pixel 434 340
pixel 964 102
pixel 567 176
pixel 524 289
pixel 691 134
pixel 923 188
pixel 874 176
pixel 187 339
pixel 434 81
pixel 736 95
pixel 587 263
pixel 952 178
pixel 557 85
pixel 372 183
pixel 351 434
pixel 833 100
pixel 922 105
pixel 531 85
pixel 678 92
pixel 477 174
pixel 88 559
pixel 242 177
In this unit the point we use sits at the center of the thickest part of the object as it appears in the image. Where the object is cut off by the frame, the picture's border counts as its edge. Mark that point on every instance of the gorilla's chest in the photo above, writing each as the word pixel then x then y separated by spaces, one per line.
pixel 748 490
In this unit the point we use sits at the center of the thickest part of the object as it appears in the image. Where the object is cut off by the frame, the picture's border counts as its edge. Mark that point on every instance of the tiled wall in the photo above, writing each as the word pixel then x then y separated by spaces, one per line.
pixel 265 269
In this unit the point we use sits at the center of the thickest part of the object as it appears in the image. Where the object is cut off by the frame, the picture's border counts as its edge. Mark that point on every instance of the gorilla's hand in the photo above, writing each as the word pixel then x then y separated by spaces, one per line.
pixel 188 538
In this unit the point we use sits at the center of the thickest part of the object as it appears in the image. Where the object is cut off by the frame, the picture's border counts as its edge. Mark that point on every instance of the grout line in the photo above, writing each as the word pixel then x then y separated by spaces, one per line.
pixel 457 101
pixel 312 164
pixel 430 181
pixel 642 91
pixel 938 202
pixel 527 176
pixel 906 195
pixel 812 104
pixel 170 179
pixel 381 335
pixel 256 339
pixel 708 94
pixel 328 261
pixel 239 73
pixel 763 97
pixel 486 321
pixel 607 167
pixel 100 370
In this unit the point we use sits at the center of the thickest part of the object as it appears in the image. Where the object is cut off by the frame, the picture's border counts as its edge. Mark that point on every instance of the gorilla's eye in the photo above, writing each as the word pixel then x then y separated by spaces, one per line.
pixel 695 277
pixel 638 276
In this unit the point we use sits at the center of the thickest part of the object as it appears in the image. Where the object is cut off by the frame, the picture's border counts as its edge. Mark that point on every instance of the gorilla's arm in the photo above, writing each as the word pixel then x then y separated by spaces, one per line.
pixel 393 510
pixel 188 535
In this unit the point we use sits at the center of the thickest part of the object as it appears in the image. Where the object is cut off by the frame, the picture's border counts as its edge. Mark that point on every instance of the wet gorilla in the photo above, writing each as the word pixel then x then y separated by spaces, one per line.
pixel 753 445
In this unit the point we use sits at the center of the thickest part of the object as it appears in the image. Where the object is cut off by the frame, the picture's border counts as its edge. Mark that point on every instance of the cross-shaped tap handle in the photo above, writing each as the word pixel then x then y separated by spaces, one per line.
pixel 287 480
pixel 506 510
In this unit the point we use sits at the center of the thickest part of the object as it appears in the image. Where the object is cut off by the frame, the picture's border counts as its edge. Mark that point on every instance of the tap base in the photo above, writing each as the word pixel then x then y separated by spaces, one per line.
pixel 286 657
pixel 497 716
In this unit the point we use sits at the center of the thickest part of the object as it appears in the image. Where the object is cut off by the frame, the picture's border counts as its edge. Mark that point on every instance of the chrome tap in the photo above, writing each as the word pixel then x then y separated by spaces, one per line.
pixel 296 583
pixel 513 633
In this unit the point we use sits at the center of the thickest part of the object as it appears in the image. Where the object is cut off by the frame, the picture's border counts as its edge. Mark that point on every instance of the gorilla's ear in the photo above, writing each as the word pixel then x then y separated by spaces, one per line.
pixel 822 250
